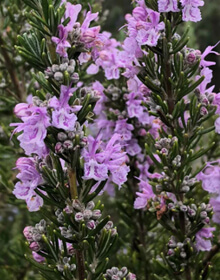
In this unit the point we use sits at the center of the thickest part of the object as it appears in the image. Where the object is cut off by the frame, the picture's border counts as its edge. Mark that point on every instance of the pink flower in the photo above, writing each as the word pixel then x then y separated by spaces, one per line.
pixel 72 12
pixel 34 127
pixel 29 180
pixel 217 125
pixel 210 177
pixel 215 202
pixel 202 242
pixel 191 11
pixel 61 41
pixel 124 128
pixel 206 52
pixel 168 6
pixel 88 35
pixel 143 197
pixel 38 258
pixel 64 116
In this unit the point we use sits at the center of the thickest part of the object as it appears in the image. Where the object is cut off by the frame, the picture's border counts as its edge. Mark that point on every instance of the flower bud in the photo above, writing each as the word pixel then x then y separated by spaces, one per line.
pixel 63 67
pixel 61 136
pixel 58 76
pixel 90 205
pixel 34 246
pixel 183 208
pixel 68 144
pixel 96 214
pixel 28 233
pixel 71 251
pixel 203 214
pixel 74 78
pixel 38 258
pixel 59 148
pixel 79 217
pixel 170 252
pixel 55 68
pixel 91 224
pixel 191 212
pixel 70 69
pixel 203 111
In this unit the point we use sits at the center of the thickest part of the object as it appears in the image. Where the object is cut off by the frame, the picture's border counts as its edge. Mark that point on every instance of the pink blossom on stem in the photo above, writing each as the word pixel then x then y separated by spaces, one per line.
pixel 168 6
pixel 61 41
pixel 202 239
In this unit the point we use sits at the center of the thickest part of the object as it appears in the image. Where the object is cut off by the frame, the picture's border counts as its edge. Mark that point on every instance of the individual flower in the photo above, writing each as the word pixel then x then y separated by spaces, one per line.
pixel 72 12
pixel 35 122
pixel 217 125
pixel 29 180
pixel 63 115
pixel 149 32
pixel 38 258
pixel 215 202
pixel 207 51
pixel 168 6
pixel 210 177
pixel 202 239
pixel 123 128
pixel 61 41
pixel 89 34
pixel 190 10
pixel 143 197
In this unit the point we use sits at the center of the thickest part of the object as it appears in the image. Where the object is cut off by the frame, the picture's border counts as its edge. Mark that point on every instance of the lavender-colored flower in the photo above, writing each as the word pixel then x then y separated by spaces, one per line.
pixel 215 202
pixel 64 116
pixel 133 148
pixel 206 52
pixel 149 32
pixel 88 35
pixel 191 11
pixel 34 127
pixel 101 159
pixel 202 242
pixel 72 12
pixel 210 177
pixel 28 233
pixel 38 258
pixel 123 128
pixel 168 6
pixel 217 125
pixel 143 197
pixel 35 246
pixel 29 180
pixel 61 41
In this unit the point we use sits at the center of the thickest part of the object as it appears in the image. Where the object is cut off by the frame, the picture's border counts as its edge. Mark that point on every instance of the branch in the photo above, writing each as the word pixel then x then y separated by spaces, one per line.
pixel 10 67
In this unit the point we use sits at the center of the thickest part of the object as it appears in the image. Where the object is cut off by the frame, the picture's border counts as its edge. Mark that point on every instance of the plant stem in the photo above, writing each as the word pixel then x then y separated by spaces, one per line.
pixel 188 273
pixel 74 195
pixel 72 183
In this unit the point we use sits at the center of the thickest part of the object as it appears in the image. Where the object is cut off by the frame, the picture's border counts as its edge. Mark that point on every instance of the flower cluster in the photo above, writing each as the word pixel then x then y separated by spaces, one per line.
pixel 190 10
pixel 75 33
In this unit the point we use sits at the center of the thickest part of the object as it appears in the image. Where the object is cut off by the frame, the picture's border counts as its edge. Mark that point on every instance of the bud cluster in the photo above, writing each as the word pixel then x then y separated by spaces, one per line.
pixel 34 235
pixel 67 141
pixel 191 57
pixel 197 215
pixel 66 264
pixel 113 92
pixel 165 144
pixel 178 248
pixel 116 274
pixel 57 72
